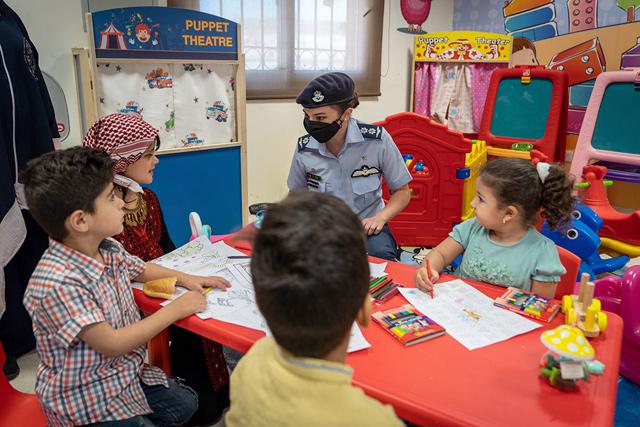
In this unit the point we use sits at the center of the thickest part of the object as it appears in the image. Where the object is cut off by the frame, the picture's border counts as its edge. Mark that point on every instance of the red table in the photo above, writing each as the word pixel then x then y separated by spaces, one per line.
pixel 440 382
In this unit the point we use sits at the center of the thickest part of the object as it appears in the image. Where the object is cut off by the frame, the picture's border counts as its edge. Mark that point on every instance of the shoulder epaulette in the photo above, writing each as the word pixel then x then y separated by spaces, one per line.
pixel 370 131
pixel 303 141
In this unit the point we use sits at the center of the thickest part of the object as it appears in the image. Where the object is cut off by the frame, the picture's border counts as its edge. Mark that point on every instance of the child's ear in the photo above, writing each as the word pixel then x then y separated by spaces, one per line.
pixel 77 221
pixel 364 314
pixel 511 212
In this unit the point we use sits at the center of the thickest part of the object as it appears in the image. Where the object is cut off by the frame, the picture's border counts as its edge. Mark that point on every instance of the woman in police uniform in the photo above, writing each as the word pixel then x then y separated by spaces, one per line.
pixel 348 159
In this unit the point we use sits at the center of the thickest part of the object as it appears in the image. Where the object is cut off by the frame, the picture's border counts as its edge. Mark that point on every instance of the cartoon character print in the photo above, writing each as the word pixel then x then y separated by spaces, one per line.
pixel 219 111
pixel 132 107
pixel 191 139
pixel 144 34
pixel 159 79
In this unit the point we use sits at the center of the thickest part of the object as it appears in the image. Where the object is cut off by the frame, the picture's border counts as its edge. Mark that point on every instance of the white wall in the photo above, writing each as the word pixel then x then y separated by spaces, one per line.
pixel 273 127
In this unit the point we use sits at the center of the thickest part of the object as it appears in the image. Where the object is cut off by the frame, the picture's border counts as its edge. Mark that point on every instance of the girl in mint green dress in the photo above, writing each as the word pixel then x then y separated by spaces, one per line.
pixel 501 244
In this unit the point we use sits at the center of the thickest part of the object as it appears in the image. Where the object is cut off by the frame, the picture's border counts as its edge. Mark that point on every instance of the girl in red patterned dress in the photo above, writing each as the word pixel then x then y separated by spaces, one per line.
pixel 132 144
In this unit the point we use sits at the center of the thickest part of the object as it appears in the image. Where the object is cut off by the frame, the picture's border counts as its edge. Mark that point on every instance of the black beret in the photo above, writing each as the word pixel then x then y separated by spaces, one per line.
pixel 327 89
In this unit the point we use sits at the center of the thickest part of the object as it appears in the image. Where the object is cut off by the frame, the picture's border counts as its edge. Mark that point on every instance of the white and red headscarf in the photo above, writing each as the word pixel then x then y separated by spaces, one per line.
pixel 124 136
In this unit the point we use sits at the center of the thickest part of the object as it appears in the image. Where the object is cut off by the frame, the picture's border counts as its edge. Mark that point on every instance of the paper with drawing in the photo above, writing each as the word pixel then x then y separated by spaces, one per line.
pixel 467 314
pixel 237 304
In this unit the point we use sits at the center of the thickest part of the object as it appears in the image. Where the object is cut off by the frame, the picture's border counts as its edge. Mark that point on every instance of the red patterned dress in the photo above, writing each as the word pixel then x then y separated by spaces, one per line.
pixel 145 235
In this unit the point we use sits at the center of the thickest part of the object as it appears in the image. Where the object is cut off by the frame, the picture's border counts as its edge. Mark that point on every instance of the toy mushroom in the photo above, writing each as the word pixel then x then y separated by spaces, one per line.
pixel 564 364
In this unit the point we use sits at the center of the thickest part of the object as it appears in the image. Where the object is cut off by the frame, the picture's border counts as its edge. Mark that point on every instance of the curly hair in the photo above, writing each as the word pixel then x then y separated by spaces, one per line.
pixel 516 182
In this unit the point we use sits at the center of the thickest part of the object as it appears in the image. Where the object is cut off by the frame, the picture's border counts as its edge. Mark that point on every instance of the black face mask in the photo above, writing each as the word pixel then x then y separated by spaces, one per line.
pixel 321 131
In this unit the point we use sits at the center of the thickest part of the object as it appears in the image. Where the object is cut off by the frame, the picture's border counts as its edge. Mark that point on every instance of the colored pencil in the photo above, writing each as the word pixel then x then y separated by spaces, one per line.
pixel 429 276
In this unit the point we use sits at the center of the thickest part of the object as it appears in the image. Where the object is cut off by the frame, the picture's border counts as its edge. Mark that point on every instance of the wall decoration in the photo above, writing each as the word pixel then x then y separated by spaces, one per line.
pixel 415 12
pixel 582 37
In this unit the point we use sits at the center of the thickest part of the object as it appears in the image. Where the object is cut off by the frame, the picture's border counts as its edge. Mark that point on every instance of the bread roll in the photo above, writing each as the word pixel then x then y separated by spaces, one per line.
pixel 160 288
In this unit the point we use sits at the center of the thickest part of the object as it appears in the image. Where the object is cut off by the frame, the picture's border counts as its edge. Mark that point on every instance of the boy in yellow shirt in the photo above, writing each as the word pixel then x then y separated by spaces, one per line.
pixel 311 278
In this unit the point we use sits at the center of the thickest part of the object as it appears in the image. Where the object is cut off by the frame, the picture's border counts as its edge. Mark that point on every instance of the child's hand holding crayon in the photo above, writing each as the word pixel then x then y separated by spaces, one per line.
pixel 426 277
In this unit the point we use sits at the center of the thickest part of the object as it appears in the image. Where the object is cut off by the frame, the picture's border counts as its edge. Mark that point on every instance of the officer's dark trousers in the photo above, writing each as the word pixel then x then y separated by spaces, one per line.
pixel 383 245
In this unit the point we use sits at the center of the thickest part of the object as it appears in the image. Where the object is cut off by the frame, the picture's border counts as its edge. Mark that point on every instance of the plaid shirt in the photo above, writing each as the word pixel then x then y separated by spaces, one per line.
pixel 68 291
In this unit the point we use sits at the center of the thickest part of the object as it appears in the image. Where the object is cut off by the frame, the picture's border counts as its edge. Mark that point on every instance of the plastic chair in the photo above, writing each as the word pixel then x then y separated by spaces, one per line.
pixel 621 295
pixel 17 408
pixel 567 282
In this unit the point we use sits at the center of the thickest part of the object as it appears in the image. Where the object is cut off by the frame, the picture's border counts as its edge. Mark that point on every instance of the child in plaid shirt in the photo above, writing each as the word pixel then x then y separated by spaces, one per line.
pixel 89 335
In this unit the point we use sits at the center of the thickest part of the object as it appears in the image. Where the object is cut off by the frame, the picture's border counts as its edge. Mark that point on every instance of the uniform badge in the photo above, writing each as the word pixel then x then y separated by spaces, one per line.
pixel 317 96
pixel 303 141
pixel 365 171
pixel 311 175
pixel 370 131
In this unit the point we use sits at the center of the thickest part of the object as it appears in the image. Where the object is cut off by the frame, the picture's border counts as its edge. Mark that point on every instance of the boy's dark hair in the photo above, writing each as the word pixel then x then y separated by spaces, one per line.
pixel 310 272
pixel 516 182
pixel 61 182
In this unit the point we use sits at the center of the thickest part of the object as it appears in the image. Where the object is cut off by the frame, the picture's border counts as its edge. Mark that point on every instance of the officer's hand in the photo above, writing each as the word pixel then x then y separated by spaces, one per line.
pixel 373 225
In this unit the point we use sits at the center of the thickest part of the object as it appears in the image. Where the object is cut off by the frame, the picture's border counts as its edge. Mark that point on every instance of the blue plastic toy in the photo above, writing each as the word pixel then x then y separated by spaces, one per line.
pixel 580 237
pixel 587 216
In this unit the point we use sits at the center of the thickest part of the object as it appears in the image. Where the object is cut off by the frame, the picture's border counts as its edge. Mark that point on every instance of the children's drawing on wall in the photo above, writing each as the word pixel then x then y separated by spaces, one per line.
pixel 524 52
pixel 415 12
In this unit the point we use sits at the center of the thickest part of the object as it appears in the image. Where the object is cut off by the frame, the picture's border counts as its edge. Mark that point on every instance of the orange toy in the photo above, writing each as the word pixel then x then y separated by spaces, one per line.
pixel 617 225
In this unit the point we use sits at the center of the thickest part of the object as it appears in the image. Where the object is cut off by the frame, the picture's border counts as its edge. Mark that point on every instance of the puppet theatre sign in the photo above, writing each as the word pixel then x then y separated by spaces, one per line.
pixel 160 32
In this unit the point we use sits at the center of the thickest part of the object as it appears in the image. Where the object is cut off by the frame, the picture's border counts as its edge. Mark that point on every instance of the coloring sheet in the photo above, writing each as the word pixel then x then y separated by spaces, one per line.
pixel 201 257
pixel 467 314
pixel 357 341
pixel 237 304
pixel 377 270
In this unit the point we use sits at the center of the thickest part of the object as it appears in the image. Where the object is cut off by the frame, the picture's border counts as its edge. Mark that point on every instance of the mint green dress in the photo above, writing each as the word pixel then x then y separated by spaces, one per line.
pixel 534 257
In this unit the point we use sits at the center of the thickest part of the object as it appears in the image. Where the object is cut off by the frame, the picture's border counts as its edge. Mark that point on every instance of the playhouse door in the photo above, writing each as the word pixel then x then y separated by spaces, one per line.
pixel 436 193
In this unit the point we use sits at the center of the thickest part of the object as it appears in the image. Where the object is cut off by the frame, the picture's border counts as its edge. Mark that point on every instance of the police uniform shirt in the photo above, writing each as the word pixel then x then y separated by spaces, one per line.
pixel 355 174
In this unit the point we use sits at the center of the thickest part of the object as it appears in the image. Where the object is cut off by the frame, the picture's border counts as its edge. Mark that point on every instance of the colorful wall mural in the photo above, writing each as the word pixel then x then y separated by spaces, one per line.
pixel 581 37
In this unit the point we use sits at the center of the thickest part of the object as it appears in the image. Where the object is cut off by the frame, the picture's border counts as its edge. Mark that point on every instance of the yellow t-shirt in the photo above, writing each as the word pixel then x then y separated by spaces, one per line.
pixel 270 387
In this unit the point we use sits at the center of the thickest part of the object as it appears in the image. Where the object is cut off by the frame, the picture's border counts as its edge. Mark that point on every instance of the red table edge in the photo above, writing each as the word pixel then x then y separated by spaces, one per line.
pixel 236 337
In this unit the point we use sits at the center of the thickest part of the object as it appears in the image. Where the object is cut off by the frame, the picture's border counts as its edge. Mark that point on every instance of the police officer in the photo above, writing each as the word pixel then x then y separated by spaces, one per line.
pixel 348 159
